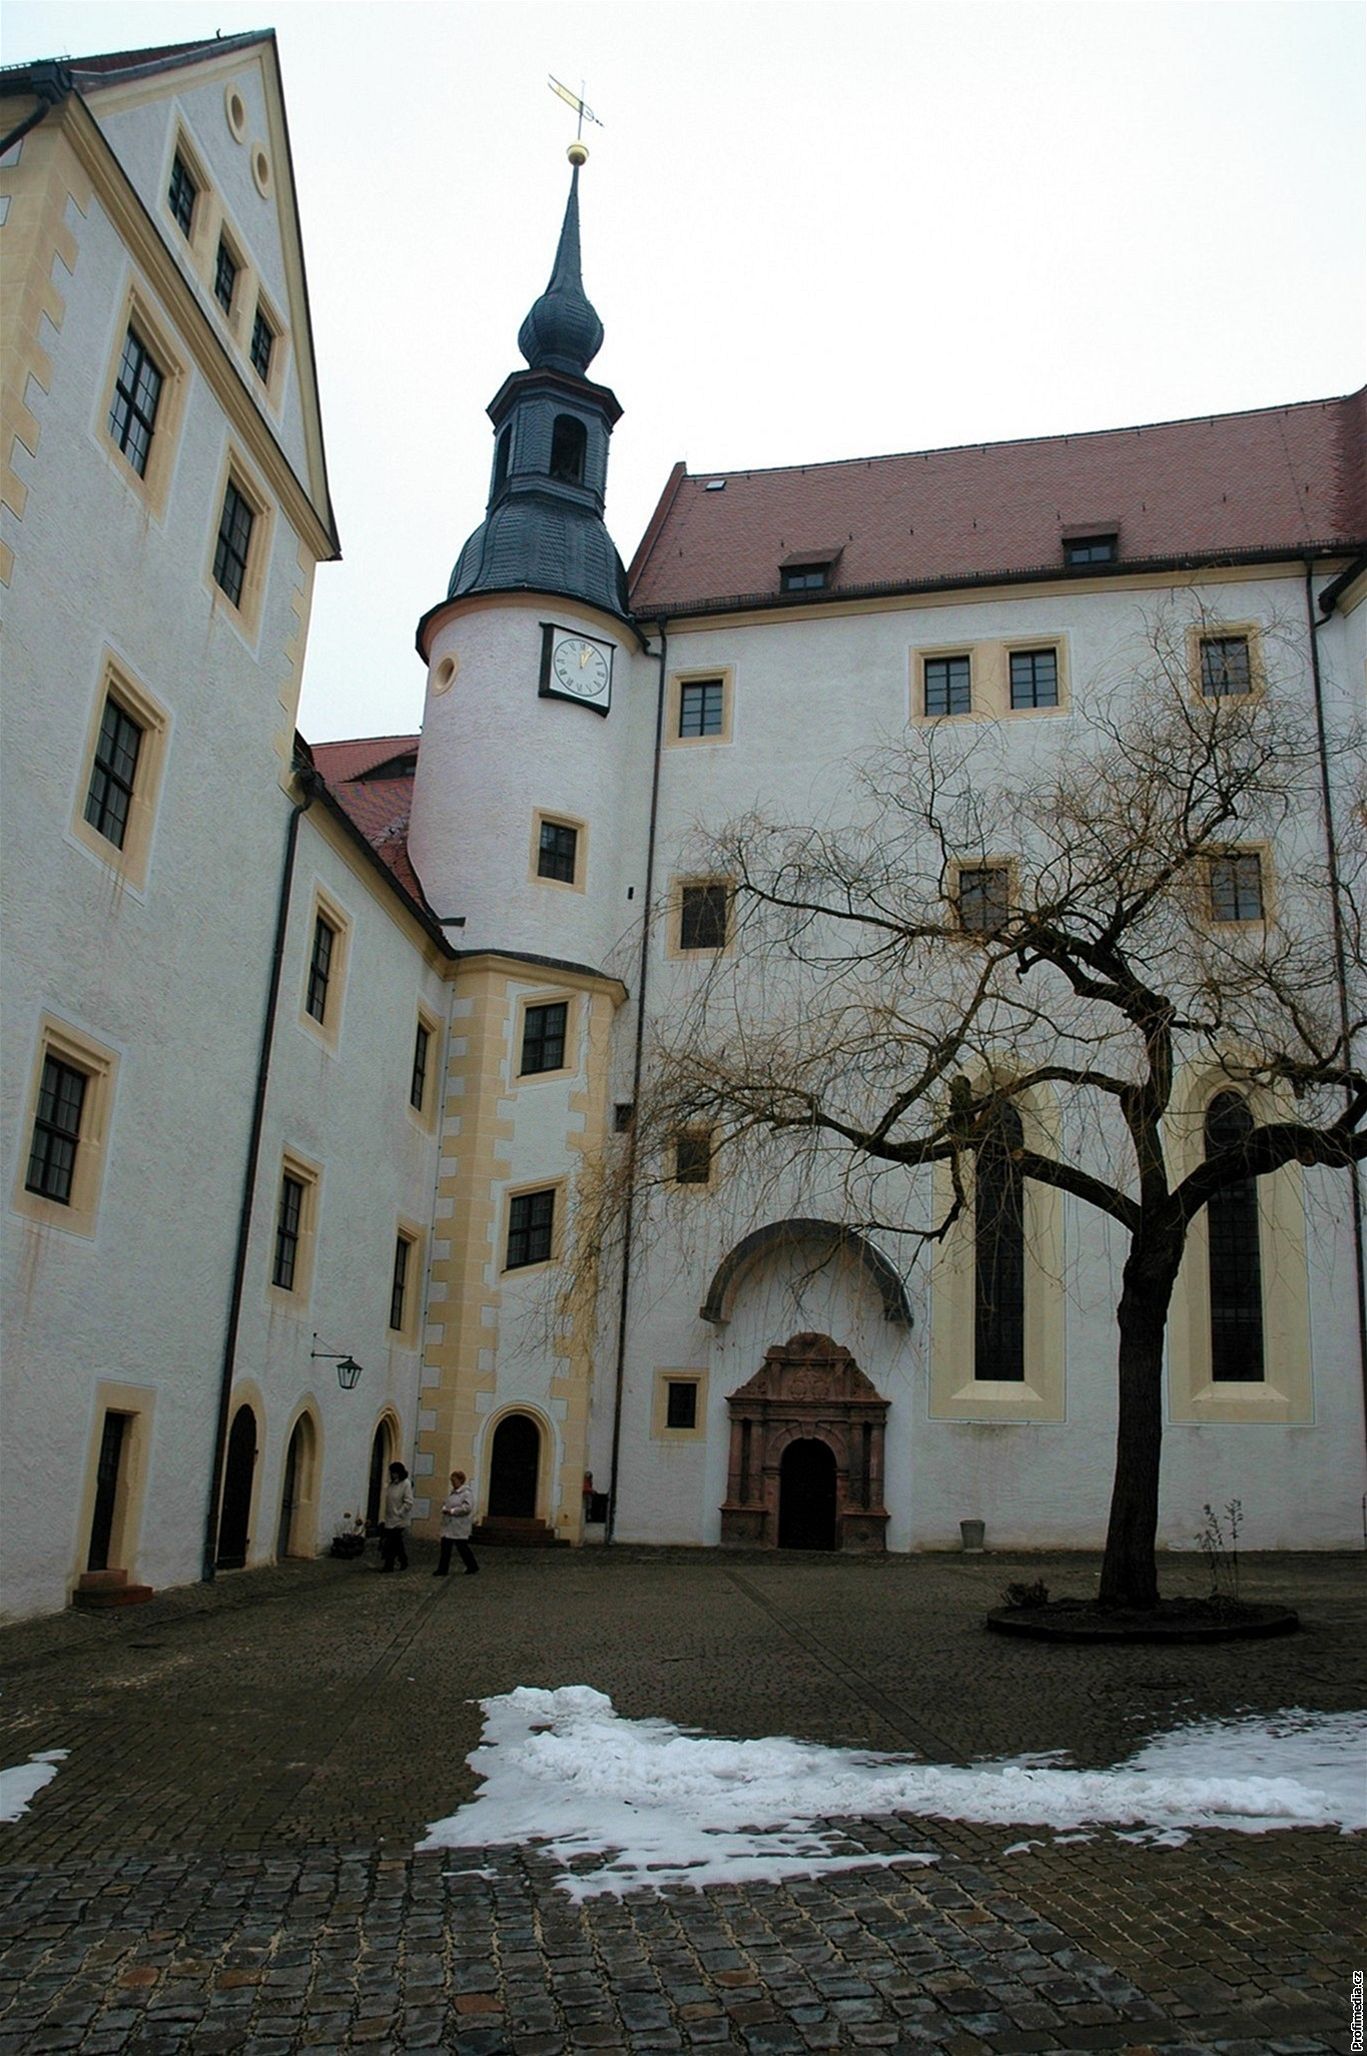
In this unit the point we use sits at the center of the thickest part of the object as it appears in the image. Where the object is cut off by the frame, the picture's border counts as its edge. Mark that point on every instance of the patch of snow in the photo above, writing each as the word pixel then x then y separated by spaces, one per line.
pixel 19 1786
pixel 658 1806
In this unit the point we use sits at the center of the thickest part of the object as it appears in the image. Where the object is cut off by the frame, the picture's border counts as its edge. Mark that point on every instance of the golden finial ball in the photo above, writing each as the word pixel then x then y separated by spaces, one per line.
pixel 578 153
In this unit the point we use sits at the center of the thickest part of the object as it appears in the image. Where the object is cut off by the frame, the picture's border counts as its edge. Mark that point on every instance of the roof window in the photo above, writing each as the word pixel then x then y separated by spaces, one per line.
pixel 1101 546
pixel 807 571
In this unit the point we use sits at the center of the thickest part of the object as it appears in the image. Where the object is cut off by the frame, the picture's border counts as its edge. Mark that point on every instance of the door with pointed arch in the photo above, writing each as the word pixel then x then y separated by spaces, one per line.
pixel 239 1472
pixel 295 1492
pixel 514 1468
pixel 381 1456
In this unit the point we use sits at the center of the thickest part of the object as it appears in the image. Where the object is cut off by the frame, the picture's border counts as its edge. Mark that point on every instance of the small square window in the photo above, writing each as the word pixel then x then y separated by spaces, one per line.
pixel 531 1224
pixel 417 1089
pixel 543 1038
pixel 1090 549
pixel 693 1157
pixel 703 915
pixel 983 898
pixel 226 268
pixel 1034 678
pixel 701 706
pixel 133 412
pixel 398 1291
pixel 289 1228
pixel 234 544
pixel 320 968
pixel 263 342
pixel 1236 887
pixel 1225 667
pixel 948 687
pixel 182 194
pixel 113 774
pixel 557 851
pixel 623 1114
pixel 56 1131
pixel 681 1403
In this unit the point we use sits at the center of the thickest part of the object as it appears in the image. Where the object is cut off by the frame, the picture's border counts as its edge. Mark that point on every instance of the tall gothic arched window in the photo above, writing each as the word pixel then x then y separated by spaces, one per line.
pixel 1236 1272
pixel 999 1251
pixel 569 446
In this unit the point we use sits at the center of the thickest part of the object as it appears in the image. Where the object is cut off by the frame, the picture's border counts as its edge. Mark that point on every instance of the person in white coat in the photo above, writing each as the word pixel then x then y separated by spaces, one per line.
pixel 457 1512
pixel 398 1518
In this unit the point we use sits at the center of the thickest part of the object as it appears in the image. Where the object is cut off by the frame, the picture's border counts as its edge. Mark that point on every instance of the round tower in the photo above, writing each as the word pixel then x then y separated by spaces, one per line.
pixel 524 756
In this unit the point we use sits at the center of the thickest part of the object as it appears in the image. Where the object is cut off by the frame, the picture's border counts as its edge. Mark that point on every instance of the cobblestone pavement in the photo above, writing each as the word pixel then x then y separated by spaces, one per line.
pixel 225 1860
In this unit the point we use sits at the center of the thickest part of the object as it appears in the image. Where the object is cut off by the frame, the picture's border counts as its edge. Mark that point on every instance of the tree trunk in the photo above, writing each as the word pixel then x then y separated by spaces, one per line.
pixel 1129 1573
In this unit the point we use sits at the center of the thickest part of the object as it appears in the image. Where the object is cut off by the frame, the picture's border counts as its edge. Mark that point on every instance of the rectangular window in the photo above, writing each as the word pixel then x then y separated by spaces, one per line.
pixel 289 1225
pixel 225 276
pixel 693 1157
pixel 984 898
pixel 1034 678
pixel 182 194
pixel 1236 887
pixel 133 413
pixel 800 578
pixel 113 774
pixel 398 1291
pixel 1089 549
pixel 234 544
pixel 556 852
pixel 320 968
pixel 701 703
pixel 703 914
pixel 56 1131
pixel 543 1038
pixel 263 342
pixel 948 685
pixel 1225 668
pixel 681 1403
pixel 417 1090
pixel 531 1221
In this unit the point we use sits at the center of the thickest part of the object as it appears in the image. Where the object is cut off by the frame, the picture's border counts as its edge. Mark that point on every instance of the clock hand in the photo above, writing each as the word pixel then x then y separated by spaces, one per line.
pixel 584 654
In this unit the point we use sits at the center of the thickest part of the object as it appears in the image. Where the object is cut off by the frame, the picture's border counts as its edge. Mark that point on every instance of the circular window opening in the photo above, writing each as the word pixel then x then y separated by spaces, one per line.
pixel 237 112
pixel 261 170
pixel 444 677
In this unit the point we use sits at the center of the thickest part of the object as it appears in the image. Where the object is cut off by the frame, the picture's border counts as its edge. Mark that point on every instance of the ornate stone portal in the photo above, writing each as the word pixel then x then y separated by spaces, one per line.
pixel 807 1390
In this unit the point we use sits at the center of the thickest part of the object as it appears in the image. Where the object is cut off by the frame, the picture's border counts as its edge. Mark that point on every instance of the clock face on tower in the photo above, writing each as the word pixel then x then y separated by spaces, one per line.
pixel 575 667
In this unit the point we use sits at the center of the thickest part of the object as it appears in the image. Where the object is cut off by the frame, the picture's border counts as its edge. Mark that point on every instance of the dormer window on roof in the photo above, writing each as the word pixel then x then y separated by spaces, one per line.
pixel 1101 547
pixel 807 571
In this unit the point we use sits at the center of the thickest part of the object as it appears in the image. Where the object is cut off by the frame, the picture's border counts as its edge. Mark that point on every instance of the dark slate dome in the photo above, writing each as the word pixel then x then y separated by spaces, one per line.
pixel 539 544
pixel 562 332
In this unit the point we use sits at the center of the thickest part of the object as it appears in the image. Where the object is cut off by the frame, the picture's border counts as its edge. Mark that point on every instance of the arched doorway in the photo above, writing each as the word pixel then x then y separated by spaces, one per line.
pixel 380 1457
pixel 514 1467
pixel 236 1510
pixel 807 1495
pixel 298 1459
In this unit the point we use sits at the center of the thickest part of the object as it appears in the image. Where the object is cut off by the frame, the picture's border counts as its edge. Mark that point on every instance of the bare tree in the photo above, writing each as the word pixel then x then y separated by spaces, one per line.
pixel 1085 908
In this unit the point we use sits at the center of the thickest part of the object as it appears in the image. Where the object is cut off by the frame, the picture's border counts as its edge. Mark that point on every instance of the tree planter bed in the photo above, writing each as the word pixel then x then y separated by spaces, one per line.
pixel 1172 1620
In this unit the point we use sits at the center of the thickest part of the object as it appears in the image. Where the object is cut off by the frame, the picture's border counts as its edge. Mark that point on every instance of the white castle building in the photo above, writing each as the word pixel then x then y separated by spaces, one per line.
pixel 313 1057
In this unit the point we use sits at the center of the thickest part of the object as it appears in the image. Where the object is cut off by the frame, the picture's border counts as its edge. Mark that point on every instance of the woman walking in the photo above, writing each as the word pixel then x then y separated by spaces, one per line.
pixel 398 1518
pixel 457 1512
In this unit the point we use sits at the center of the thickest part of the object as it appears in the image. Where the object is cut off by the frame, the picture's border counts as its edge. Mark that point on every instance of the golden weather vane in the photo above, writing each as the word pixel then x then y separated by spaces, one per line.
pixel 576 101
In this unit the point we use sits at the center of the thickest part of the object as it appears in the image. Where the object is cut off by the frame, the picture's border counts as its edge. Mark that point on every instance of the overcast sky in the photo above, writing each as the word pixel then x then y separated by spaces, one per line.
pixel 811 231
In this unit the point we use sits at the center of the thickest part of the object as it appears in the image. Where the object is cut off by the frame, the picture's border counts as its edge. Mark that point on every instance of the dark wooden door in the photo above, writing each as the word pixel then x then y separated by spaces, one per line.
pixel 237 1491
pixel 806 1496
pixel 289 1492
pixel 513 1468
pixel 106 1490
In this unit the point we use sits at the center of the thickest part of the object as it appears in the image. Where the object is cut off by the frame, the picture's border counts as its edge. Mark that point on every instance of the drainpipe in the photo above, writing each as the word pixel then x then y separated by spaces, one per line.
pixel 629 1223
pixel 52 83
pixel 1330 594
pixel 311 785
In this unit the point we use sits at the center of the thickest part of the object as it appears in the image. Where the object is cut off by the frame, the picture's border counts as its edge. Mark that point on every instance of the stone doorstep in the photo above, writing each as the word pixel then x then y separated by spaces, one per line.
pixel 96 1590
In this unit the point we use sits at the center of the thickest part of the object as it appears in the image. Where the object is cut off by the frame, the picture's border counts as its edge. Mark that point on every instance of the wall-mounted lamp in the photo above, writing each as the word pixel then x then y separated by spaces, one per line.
pixel 348 1370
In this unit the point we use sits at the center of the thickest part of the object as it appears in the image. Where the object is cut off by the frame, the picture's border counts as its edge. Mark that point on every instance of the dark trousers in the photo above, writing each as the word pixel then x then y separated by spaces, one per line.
pixel 467 1555
pixel 393 1549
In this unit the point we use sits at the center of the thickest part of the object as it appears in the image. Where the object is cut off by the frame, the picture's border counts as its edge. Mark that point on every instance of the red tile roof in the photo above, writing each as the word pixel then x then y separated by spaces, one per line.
pixel 377 807
pixel 1277 481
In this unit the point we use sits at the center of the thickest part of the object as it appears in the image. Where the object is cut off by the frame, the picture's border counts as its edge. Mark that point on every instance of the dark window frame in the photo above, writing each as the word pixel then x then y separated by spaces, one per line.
pixel 982 898
pixel 263 343
pixel 531 1229
pixel 321 954
pixel 1101 548
pixel 55 1143
pixel 1234 1256
pixel 1226 667
pixel 289 1231
pixel 544 1038
pixel 114 772
pixel 702 707
pixel 1034 678
pixel 681 1398
pixel 805 578
pixel 557 851
pixel 232 552
pixel 227 271
pixel 569 449
pixel 704 915
pixel 693 1156
pixel 999 1253
pixel 947 685
pixel 138 387
pixel 1235 882
pixel 398 1289
pixel 182 194
pixel 417 1084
